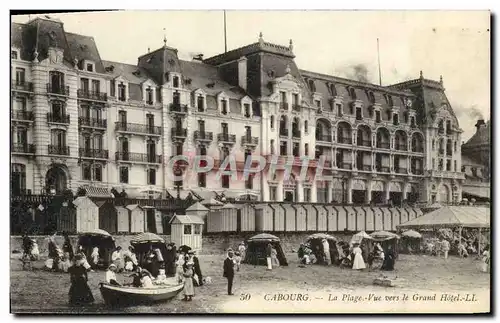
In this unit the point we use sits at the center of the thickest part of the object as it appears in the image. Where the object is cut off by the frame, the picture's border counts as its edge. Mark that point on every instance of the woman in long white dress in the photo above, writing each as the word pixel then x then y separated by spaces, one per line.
pixel 485 260
pixel 358 262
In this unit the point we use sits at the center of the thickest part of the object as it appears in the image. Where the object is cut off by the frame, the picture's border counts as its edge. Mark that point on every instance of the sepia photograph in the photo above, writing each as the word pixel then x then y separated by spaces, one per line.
pixel 257 162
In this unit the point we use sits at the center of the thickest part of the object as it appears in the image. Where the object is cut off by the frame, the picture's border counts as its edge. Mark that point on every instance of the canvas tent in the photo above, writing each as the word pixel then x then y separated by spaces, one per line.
pixel 451 217
pixel 256 251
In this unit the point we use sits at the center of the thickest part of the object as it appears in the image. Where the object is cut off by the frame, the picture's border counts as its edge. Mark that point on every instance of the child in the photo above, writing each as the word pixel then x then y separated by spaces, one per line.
pixel 237 260
pixel 188 282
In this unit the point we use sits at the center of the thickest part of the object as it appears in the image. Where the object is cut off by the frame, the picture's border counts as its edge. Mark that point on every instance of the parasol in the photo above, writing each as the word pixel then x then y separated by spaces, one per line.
pixel 96 232
pixel 383 235
pixel 321 236
pixel 411 234
pixel 264 237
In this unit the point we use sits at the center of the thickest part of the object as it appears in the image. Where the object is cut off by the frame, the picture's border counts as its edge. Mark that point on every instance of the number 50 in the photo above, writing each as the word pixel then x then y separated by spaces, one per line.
pixel 245 297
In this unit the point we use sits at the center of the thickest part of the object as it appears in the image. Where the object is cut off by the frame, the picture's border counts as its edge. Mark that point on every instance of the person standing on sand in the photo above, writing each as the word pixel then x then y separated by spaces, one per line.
pixel 269 253
pixel 358 262
pixel 242 250
pixel 229 271
pixel 445 247
pixel 79 292
pixel 188 282
pixel 326 252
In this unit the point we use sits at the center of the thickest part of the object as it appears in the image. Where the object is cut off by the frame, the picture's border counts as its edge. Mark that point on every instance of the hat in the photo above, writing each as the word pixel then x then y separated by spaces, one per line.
pixel 230 250
pixel 111 266
pixel 190 264
pixel 191 252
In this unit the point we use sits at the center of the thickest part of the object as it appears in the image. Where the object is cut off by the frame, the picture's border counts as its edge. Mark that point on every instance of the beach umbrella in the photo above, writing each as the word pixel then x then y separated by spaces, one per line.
pixel 146 237
pixel 264 237
pixel 96 232
pixel 411 234
pixel 383 235
pixel 321 236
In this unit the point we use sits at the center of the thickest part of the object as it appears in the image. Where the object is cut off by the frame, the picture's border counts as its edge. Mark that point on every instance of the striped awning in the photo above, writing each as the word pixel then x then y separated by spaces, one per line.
pixel 95 191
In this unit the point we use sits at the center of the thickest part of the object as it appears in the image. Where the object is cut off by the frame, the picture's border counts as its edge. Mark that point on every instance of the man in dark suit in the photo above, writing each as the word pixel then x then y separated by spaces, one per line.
pixel 229 271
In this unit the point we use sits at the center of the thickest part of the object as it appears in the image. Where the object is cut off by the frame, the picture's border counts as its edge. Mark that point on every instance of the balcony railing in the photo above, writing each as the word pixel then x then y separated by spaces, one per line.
pixel 401 170
pixel 179 133
pixel 22 115
pixel 178 108
pixel 91 95
pixel 344 140
pixel 138 157
pixel 203 135
pixel 58 150
pixel 296 134
pixel 225 137
pixel 366 168
pixel 94 153
pixel 18 85
pixel 283 132
pixel 383 169
pixel 296 107
pixel 417 149
pixel 324 138
pixel 364 143
pixel 284 106
pixel 417 171
pixel 401 147
pixel 92 122
pixel 58 118
pixel 59 90
pixel 383 145
pixel 249 140
pixel 137 128
pixel 345 165
pixel 23 148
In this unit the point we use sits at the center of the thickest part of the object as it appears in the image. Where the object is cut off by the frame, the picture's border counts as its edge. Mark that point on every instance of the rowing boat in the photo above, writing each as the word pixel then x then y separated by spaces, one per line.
pixel 129 295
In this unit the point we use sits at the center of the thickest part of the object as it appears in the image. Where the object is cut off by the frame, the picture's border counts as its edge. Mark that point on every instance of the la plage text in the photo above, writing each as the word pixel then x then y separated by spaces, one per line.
pixel 299 297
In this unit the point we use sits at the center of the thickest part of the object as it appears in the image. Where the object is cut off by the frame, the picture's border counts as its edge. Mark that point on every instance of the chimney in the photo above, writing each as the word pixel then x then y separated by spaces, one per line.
pixel 479 124
pixel 242 73
pixel 198 57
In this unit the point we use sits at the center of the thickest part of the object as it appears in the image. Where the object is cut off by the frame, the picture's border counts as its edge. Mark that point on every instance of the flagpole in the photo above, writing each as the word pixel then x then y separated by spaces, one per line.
pixel 379 71
pixel 225 33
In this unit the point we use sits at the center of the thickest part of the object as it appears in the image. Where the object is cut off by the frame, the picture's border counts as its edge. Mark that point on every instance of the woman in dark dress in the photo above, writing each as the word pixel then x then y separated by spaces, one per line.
pixel 79 292
pixel 68 248
pixel 389 260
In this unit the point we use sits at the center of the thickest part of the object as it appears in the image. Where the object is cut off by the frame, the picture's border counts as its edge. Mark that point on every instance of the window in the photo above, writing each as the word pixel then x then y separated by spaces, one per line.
pixel 149 95
pixel 201 103
pixel 13 54
pixel 433 144
pixel 448 165
pixel 339 109
pixel 22 136
pixel 197 229
pixel 296 151
pixel 224 107
pixel 395 119
pixel 98 172
pixel 283 149
pixel 175 81
pixel 306 149
pixel 454 165
pixel 201 126
pixel 272 122
pixel 352 93
pixel 202 179
pixel 124 175
pixel 122 117
pixel 20 104
pixel 405 117
pixel 86 172
pixel 306 126
pixel 58 138
pixel 440 164
pixel 307 195
pixel 122 92
pixel 371 97
pixel 295 99
pixel 412 121
pixel 318 103
pixel 20 76
pixel 378 117
pixel 96 86
pixel 359 114
pixel 18 179
pixel 312 86
pixel 433 163
pixel 151 176
pixel 177 98
pixel 90 67
pixel 272 146
pixel 455 146
pixel 272 193
pixel 247 110
pixel 98 142
pixel 188 229
pixel 249 182
pixel 225 129
pixel 283 96
pixel 112 85
pixel 474 171
pixel 225 181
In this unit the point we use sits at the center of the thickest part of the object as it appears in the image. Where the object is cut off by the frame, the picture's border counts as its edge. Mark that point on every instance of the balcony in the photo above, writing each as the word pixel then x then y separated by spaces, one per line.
pixel 91 95
pixel 58 150
pixel 203 136
pixel 401 170
pixel 284 106
pixel 58 118
pixel 20 148
pixel 417 149
pixel 283 132
pixel 138 158
pixel 296 134
pixel 402 147
pixel 21 86
pixel 93 153
pixel 22 116
pixel 324 138
pixel 383 145
pixel 58 90
pixel 296 107
pixel 249 141
pixel 345 165
pixel 344 140
pixel 226 138
pixel 136 128
pixel 179 133
pixel 365 168
pixel 92 123
pixel 417 171
pixel 383 169
pixel 178 108
pixel 364 143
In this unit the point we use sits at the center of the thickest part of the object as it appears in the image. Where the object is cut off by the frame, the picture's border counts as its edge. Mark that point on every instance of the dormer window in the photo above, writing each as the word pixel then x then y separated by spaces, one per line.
pixel 89 67
pixel 388 99
pixel 371 96
pixel 224 109
pixel 149 95
pixel 200 102
pixel 359 113
pixel 247 110
pixel 412 122
pixel 352 93
pixel 312 86
pixel 175 81
pixel 405 117
pixel 122 92
pixel 395 119
pixel 339 109
pixel 378 116
pixel 332 89
pixel 14 54
pixel 318 103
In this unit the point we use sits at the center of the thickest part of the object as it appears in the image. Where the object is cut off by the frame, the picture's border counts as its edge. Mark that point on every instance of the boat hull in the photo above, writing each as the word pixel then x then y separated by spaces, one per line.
pixel 128 295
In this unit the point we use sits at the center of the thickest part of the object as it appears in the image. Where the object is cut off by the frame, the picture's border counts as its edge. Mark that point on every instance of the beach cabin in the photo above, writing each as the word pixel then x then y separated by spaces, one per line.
pixel 107 216
pixel 87 214
pixel 187 230
pixel 122 218
pixel 137 217
pixel 199 210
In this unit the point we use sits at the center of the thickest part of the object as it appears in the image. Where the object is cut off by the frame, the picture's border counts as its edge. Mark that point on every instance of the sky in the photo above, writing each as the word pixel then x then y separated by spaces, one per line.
pixel 451 44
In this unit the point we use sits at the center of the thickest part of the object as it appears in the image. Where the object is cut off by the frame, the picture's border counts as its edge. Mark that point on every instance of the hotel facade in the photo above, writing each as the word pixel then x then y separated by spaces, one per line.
pixel 80 121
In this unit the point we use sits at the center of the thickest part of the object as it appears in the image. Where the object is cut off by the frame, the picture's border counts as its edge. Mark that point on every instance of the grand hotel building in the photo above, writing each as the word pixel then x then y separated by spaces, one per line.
pixel 80 121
